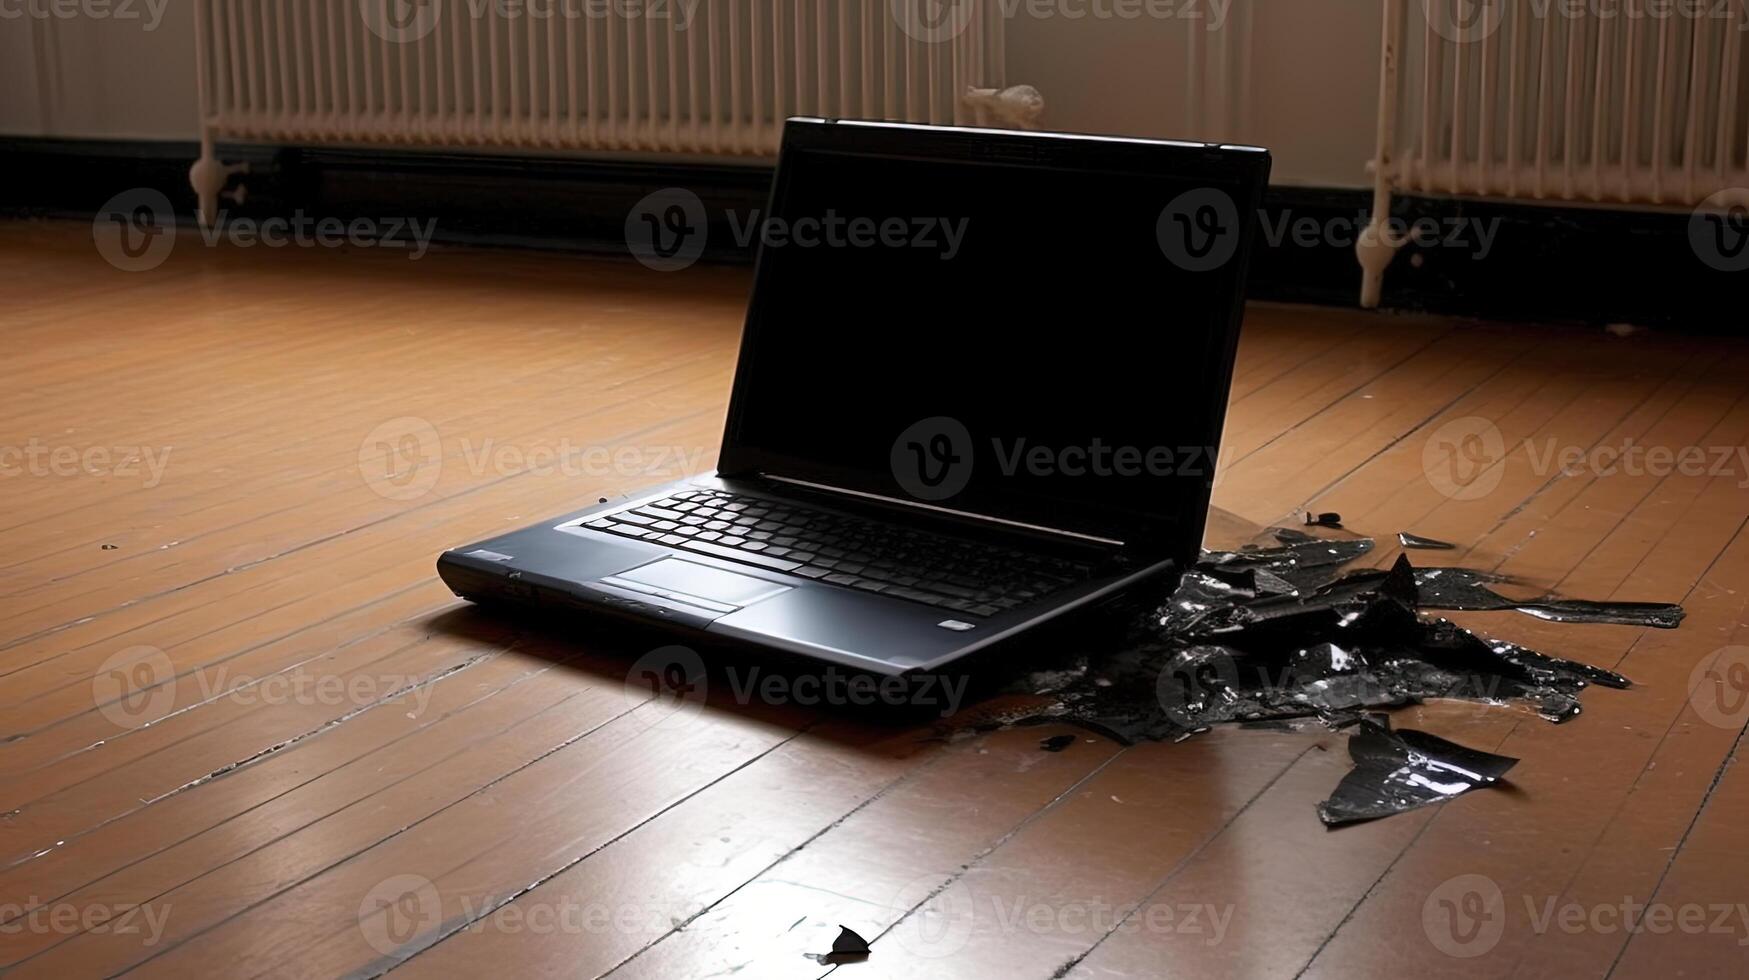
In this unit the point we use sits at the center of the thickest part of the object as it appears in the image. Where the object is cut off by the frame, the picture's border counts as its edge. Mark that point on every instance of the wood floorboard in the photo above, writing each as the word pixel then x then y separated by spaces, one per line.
pixel 328 723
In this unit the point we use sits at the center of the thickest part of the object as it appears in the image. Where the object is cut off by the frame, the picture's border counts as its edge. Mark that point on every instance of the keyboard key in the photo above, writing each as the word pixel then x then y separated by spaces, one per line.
pixel 712 548
pixel 963 576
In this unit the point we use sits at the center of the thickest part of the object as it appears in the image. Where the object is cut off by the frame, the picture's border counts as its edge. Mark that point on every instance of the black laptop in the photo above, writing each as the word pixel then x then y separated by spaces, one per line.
pixel 981 385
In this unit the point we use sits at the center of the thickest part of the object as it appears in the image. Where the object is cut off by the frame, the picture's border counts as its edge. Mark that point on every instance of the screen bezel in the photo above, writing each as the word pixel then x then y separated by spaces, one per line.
pixel 1175 530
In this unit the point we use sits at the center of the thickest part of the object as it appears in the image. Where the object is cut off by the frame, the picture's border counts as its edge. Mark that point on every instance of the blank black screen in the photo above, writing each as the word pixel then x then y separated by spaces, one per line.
pixel 1053 326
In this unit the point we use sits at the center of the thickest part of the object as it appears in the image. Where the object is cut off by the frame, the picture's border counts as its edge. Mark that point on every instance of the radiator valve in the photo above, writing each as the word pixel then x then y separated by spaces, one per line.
pixel 1017 106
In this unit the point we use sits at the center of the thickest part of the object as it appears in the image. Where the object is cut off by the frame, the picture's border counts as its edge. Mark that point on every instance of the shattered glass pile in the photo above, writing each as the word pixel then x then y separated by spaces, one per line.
pixel 1277 631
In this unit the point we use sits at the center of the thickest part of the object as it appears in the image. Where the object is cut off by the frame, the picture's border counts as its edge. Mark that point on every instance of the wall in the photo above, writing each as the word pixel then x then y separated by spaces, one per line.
pixel 1309 69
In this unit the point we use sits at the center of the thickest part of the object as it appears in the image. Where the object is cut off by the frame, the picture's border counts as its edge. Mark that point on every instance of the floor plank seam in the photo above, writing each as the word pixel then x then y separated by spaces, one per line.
pixel 317 542
pixel 1064 970
pixel 254 758
pixel 903 780
pixel 206 665
pixel 371 971
pixel 1681 842
pixel 996 845
pixel 236 913
pixel 455 712
pixel 1339 399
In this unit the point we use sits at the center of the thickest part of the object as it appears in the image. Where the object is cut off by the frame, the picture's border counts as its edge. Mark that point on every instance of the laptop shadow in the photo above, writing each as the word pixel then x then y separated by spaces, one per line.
pixel 644 663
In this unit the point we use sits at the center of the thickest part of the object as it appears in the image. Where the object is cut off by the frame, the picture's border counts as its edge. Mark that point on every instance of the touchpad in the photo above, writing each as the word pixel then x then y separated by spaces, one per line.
pixel 685 578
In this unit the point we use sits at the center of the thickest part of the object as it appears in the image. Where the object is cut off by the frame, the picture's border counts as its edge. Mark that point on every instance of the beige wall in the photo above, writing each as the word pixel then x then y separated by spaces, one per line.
pixel 89 77
pixel 1311 71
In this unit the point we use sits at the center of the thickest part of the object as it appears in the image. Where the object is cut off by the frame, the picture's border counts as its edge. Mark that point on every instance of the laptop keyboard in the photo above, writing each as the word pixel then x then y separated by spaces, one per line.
pixel 949 573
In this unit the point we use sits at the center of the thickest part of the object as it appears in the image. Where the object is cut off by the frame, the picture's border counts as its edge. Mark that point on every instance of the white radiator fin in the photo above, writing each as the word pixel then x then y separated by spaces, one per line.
pixel 721 84
pixel 1627 108
pixel 1609 101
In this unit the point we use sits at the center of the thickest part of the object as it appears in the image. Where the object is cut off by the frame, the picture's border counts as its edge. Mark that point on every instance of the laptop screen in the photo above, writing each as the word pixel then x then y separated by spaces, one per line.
pixel 1000 338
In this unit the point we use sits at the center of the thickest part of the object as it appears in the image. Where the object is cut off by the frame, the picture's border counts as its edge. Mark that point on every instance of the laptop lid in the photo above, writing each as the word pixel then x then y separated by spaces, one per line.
pixel 1033 328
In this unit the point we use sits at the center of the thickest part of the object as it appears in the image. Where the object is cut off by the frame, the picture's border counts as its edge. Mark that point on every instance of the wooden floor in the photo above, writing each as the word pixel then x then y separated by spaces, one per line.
pixel 246 731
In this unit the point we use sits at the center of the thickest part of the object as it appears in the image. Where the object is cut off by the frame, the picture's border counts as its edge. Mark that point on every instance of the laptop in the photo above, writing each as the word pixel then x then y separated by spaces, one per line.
pixel 981 385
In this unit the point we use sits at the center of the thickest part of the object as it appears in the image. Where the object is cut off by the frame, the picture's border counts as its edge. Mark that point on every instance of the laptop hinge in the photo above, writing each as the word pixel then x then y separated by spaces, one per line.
pixel 965 515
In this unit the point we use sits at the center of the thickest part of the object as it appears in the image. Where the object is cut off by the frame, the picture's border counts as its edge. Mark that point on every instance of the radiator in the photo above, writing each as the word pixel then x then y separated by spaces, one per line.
pixel 1623 102
pixel 710 78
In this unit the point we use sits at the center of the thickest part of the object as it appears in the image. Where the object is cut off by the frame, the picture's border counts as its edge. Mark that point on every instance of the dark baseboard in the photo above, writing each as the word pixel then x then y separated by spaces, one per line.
pixel 1485 259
